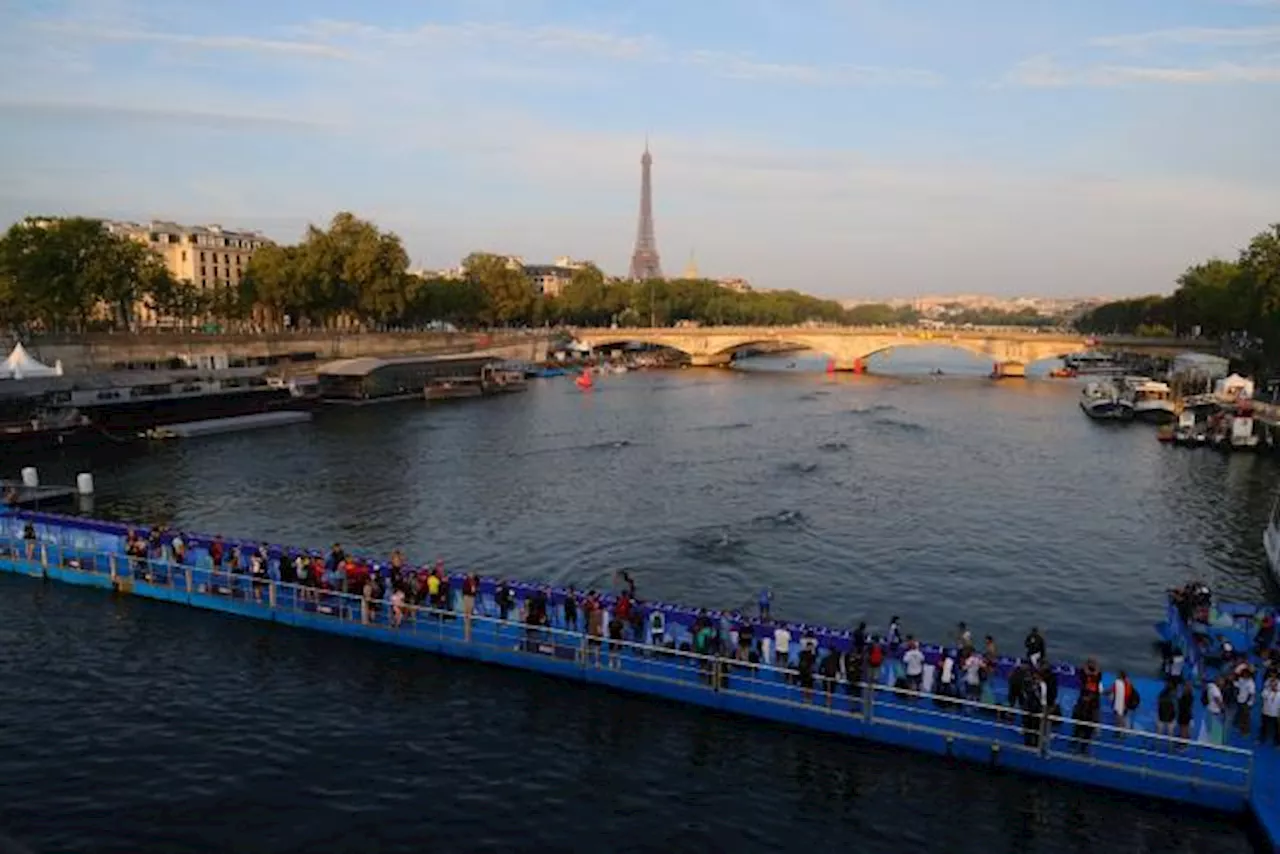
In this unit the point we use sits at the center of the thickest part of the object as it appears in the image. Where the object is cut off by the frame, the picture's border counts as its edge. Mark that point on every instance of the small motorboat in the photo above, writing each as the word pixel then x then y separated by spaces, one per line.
pixel 1063 373
pixel 1102 401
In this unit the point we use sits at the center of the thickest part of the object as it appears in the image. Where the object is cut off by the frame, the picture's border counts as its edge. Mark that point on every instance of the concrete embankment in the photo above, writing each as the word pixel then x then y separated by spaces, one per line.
pixel 104 351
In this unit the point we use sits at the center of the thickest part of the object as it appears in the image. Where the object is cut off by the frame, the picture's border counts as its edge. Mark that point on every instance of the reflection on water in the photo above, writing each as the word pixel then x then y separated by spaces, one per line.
pixel 128 725
pixel 908 361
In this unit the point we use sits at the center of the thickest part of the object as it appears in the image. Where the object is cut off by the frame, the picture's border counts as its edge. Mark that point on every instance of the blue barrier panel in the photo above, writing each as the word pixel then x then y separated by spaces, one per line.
pixel 1138 762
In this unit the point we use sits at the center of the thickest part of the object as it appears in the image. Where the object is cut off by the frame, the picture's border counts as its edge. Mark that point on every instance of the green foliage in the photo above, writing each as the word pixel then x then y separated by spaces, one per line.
pixel 879 314
pixel 67 273
pixel 349 270
pixel 1218 296
pixel 1000 317
pixel 589 300
pixel 505 294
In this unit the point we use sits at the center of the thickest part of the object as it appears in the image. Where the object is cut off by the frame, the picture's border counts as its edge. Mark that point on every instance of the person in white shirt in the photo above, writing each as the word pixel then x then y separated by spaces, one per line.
pixel 1214 708
pixel 1120 699
pixel 1245 694
pixel 973 676
pixel 1270 710
pixel 913 663
pixel 782 647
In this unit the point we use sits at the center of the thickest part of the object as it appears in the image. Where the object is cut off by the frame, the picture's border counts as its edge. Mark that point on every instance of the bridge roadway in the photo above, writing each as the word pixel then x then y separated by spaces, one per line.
pixel 850 347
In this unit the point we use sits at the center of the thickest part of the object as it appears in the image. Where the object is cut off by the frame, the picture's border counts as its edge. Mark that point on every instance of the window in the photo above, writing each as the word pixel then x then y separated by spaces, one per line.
pixel 202 259
pixel 203 284
pixel 226 259
pixel 226 274
pixel 184 256
pixel 202 268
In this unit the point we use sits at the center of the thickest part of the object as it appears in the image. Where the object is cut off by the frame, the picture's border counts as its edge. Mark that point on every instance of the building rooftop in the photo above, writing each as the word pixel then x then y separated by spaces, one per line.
pixel 167 227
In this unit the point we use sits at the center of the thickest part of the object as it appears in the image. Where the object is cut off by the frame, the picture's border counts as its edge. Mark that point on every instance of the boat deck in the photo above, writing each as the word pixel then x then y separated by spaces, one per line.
pixel 1135 761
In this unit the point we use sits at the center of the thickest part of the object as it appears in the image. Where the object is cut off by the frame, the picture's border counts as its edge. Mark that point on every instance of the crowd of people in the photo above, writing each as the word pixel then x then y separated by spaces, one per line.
pixel 962 670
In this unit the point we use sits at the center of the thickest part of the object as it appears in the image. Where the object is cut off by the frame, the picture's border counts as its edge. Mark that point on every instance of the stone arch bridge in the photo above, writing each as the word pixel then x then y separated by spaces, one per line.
pixel 850 347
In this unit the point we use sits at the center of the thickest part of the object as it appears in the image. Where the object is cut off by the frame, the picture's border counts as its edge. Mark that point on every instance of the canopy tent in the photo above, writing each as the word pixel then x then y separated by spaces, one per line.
pixel 21 366
pixel 1234 387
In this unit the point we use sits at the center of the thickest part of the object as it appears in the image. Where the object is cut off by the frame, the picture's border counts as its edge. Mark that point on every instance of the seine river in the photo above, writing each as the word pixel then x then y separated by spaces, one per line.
pixel 127 725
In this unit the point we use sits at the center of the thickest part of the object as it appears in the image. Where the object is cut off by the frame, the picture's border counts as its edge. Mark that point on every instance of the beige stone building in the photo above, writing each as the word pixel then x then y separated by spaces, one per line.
pixel 207 256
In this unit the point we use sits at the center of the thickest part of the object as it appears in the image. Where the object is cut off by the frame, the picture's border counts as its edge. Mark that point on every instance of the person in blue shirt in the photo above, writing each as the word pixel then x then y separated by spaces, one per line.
pixel 766 598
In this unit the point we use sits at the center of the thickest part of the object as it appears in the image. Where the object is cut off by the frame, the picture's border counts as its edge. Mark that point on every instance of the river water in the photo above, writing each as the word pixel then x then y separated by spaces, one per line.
pixel 127 725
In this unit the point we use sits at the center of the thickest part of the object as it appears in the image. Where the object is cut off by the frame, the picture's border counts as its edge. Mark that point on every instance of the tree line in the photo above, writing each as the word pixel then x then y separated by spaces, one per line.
pixel 1218 298
pixel 71 274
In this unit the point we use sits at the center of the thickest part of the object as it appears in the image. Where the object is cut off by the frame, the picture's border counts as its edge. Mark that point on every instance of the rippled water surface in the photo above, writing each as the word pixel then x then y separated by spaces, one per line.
pixel 128 725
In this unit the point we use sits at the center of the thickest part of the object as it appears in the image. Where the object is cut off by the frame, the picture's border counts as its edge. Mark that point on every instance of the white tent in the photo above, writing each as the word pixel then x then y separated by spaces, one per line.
pixel 1234 387
pixel 20 366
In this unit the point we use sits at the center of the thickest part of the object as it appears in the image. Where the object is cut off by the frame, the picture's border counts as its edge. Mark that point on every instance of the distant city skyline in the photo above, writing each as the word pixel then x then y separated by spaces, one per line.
pixel 851 150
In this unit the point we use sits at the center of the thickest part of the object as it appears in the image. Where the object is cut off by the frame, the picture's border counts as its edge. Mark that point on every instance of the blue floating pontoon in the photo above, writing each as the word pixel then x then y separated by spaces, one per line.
pixel 1232 778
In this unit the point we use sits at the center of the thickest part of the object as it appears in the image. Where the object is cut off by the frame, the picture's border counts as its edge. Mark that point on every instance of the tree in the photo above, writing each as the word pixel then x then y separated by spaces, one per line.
pixel 507 293
pixel 586 298
pixel 351 270
pixel 1206 297
pixel 64 273
pixel 1220 297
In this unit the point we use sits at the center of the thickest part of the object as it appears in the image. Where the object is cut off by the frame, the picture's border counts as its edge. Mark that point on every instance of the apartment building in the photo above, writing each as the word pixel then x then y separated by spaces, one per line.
pixel 207 256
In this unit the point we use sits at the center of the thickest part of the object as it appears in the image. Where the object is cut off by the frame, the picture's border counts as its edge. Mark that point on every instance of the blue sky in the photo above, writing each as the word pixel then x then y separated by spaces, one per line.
pixel 851 148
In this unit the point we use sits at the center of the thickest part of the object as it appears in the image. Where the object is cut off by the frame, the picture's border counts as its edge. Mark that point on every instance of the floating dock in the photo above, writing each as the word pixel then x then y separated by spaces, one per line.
pixel 1136 761
pixel 235 424
pixel 17 494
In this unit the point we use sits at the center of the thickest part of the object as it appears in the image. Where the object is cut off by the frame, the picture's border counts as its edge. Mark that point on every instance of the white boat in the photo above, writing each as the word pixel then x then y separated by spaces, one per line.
pixel 1092 363
pixel 1102 400
pixel 1243 438
pixel 1189 431
pixel 1271 541
pixel 1152 400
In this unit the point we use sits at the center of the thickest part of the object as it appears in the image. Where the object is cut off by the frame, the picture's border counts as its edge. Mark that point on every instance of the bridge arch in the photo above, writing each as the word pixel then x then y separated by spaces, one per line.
pixel 847 346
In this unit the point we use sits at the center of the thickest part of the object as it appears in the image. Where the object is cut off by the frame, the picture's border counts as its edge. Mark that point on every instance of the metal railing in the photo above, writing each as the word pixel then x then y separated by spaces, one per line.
pixel 755 687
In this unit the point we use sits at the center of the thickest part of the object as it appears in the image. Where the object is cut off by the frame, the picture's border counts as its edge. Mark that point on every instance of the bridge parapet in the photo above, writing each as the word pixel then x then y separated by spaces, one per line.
pixel 852 345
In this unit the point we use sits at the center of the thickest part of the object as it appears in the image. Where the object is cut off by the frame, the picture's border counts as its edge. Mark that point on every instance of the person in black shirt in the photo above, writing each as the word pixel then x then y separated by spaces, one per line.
pixel 571 610
pixel 1167 708
pixel 805 667
pixel 1186 710
pixel 829 669
pixel 506 599
pixel 1035 647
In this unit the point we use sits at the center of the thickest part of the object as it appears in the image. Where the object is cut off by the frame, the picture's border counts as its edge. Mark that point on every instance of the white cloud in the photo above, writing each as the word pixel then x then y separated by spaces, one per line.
pixel 571 42
pixel 1045 72
pixel 201 42
pixel 1257 36
pixel 123 111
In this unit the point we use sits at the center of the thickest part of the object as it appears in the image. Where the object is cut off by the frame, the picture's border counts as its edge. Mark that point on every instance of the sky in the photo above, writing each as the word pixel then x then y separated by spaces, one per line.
pixel 848 148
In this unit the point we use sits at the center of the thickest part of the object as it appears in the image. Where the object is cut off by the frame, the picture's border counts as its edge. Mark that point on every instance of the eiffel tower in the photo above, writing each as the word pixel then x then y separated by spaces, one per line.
pixel 644 260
